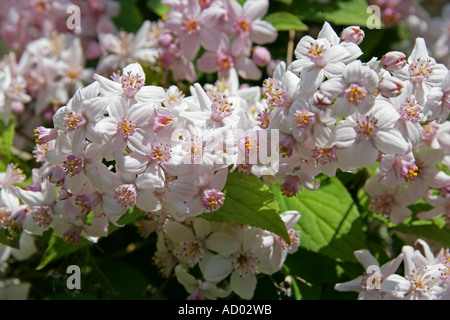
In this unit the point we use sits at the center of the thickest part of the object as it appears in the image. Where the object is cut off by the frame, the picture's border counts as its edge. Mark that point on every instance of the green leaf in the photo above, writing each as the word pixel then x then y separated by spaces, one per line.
pixel 249 201
pixel 340 12
pixel 157 7
pixel 58 248
pixel 330 223
pixel 6 141
pixel 129 18
pixel 285 21
pixel 8 241
pixel 435 229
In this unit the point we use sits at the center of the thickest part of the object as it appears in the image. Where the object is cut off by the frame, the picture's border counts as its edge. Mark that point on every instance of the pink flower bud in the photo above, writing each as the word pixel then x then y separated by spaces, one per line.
pixel 261 56
pixel 390 87
pixel 353 34
pixel 165 39
pixel 393 60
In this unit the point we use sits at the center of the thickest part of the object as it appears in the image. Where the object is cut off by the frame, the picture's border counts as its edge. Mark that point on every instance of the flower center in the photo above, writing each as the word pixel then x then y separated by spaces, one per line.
pixel 191 251
pixel 191 25
pixel 221 107
pixel 355 93
pixel 275 95
pixel 243 25
pixel 160 152
pixel 366 126
pixel 316 53
pixel 410 110
pixel 289 187
pixel 324 155
pixel 126 127
pixel 420 70
pixel 73 164
pixel 304 119
pixel 382 204
pixel 73 121
pixel 126 195
pixel 245 264
pixel 42 216
pixel 212 198
pixel 131 83
pixel 263 119
pixel 224 63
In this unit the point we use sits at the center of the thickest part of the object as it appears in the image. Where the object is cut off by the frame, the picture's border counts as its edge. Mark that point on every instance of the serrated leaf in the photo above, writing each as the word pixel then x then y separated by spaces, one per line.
pixel 285 21
pixel 249 201
pixel 6 141
pixel 330 222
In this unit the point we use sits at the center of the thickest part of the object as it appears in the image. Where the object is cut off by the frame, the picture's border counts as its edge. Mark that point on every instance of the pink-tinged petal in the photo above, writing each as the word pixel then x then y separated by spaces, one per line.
pixel 244 287
pixel 151 94
pixel 365 258
pixel 311 78
pixel 327 32
pixel 247 69
pixel 106 127
pixel 419 51
pixel 118 108
pixel 333 87
pixel 152 178
pixel 177 208
pixel 263 32
pixel 345 134
pixel 195 206
pixel 141 113
pixel 364 153
pixel 210 39
pixel 139 141
pixel 255 9
pixel 173 21
pixel 353 73
pixel 352 285
pixel 147 201
pixel 234 9
pixel 207 62
pixel 94 109
pixel 223 242
pixel 78 141
pixel 432 214
pixel 177 232
pixel 115 144
pixel 210 16
pixel 399 213
pixel 354 51
pixel 391 142
pixel 132 163
pixel 184 189
pixel 343 108
pixel 396 285
pixel 391 267
pixel 242 45
pixel 215 268
pixel 203 99
pixel 220 179
pixel 108 86
pixel 322 135
pixel 190 44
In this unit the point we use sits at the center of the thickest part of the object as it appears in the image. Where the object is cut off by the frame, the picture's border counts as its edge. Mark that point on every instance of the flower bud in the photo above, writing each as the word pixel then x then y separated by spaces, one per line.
pixel 353 34
pixel 261 56
pixel 393 60
pixel 165 39
pixel 390 87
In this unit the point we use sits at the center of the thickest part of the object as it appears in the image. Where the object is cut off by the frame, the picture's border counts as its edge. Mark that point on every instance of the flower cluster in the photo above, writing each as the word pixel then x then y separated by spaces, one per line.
pixel 229 255
pixel 426 277
pixel 229 34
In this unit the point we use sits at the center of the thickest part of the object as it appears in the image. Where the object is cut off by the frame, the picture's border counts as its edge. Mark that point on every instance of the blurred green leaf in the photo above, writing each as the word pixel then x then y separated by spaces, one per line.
pixel 249 201
pixel 6 141
pixel 129 18
pixel 330 222
pixel 285 21
pixel 157 7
